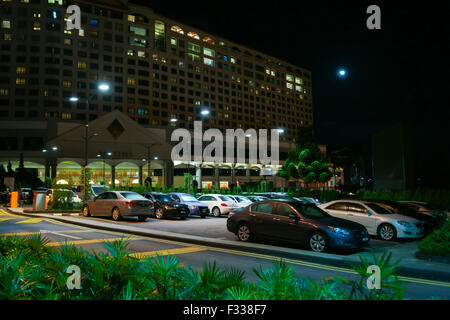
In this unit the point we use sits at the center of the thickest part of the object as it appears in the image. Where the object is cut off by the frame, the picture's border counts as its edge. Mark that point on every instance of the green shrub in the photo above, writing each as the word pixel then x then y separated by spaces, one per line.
pixel 437 243
pixel 29 269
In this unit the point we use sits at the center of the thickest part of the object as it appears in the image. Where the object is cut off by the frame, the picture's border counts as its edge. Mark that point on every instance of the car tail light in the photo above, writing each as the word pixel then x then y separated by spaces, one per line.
pixel 224 204
pixel 230 214
pixel 151 203
pixel 130 203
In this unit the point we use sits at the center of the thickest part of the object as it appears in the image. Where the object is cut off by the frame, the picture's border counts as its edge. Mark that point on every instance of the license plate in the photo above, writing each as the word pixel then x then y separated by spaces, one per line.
pixel 365 239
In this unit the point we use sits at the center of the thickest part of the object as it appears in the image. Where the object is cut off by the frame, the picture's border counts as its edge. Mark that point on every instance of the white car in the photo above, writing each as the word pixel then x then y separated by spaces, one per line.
pixel 218 204
pixel 377 220
pixel 241 201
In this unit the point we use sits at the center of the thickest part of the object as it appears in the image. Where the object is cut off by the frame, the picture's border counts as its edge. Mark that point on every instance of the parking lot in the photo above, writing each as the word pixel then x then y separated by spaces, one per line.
pixel 215 228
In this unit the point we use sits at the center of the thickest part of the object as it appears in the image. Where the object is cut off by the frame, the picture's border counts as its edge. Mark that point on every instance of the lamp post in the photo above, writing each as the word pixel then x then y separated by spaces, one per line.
pixel 103 155
pixel 102 87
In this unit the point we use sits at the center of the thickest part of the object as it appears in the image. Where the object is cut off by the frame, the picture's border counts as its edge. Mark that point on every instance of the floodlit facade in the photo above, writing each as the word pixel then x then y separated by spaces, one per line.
pixel 161 73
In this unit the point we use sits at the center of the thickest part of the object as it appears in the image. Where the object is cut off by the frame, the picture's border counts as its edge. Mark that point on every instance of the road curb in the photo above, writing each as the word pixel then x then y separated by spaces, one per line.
pixel 283 253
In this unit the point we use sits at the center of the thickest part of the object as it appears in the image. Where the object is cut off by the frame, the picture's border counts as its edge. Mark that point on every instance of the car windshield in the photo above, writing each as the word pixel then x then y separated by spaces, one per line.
pixel 163 197
pixel 242 199
pixel 225 198
pixel 132 196
pixel 188 198
pixel 378 209
pixel 310 211
pixel 98 190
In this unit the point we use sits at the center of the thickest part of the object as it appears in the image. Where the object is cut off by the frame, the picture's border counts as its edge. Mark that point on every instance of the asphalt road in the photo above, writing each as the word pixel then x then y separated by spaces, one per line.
pixel 58 233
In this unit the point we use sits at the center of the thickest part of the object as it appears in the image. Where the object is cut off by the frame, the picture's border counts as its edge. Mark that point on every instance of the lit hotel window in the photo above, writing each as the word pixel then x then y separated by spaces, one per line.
pixel 131 18
pixel 177 29
pixel 298 80
pixel 4 92
pixel 20 81
pixel 60 2
pixel 142 54
pixel 209 41
pixel 67 84
pixel 6 24
pixel 131 81
pixel 208 52
pixel 81 65
pixel 289 78
pixel 193 35
pixel 7 36
pixel 208 62
pixel 21 70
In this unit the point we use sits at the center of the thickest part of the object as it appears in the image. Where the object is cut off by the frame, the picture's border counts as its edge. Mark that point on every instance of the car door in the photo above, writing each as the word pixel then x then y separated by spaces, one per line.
pixel 285 226
pixel 358 214
pixel 338 209
pixel 95 204
pixel 208 200
pixel 261 219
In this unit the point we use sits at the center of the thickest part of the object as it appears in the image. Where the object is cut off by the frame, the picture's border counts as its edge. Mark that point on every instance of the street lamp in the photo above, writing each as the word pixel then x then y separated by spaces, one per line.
pixel 102 87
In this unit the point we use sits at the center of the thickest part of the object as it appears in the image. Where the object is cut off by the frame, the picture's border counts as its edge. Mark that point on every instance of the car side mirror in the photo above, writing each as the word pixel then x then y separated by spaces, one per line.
pixel 294 216
pixel 368 212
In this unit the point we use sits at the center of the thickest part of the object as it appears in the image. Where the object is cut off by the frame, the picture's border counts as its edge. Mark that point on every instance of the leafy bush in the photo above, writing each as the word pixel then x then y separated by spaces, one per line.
pixel 437 243
pixel 31 270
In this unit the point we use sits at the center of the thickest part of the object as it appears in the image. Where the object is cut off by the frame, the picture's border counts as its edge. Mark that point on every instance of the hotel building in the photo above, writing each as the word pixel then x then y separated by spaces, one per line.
pixel 161 74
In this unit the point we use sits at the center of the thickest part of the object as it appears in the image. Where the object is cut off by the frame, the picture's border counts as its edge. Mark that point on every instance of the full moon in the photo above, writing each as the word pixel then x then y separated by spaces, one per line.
pixel 342 73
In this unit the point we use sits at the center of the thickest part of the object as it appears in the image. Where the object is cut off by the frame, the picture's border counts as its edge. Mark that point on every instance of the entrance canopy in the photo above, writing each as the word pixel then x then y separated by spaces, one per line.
pixel 112 136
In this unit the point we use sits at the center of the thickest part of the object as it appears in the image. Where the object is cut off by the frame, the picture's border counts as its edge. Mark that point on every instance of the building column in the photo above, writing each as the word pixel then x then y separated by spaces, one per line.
pixel 113 176
pixel 53 165
pixel 168 173
pixel 47 168
pixel 217 176
pixel 141 180
pixel 198 176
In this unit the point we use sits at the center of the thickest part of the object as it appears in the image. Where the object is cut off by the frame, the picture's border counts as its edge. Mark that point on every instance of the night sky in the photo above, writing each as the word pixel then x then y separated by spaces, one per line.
pixel 394 73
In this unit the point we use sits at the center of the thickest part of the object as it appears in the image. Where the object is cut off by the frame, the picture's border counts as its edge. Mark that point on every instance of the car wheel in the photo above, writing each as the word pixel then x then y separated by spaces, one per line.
pixel 318 242
pixel 216 212
pixel 142 218
pixel 116 214
pixel 244 233
pixel 159 213
pixel 86 212
pixel 387 232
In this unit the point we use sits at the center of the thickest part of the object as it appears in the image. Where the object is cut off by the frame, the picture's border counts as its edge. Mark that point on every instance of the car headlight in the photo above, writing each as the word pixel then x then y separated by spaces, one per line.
pixel 340 231
pixel 193 207
pixel 405 224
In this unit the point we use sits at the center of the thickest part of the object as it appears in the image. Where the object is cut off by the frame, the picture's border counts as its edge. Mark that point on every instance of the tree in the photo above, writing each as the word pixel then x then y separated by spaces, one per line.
pixel 305 161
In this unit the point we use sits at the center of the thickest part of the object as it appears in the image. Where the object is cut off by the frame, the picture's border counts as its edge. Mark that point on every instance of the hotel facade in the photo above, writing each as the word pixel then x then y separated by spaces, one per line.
pixel 161 75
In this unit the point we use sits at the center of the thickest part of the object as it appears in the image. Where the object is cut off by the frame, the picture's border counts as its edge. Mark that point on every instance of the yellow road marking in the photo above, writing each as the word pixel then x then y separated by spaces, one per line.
pixel 141 255
pixel 37 232
pixel 56 244
pixel 32 220
pixel 4 219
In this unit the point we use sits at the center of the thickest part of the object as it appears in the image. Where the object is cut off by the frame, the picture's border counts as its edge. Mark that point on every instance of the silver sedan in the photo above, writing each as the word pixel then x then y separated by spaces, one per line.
pixel 118 204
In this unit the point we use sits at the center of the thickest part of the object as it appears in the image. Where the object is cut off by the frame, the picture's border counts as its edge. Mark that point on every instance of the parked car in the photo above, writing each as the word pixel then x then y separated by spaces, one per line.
pixel 430 222
pixel 118 204
pixel 241 201
pixel 166 207
pixel 308 200
pixel 195 207
pixel 97 189
pixel 276 195
pixel 427 208
pixel 218 204
pixel 297 222
pixel 378 220
pixel 50 192
pixel 256 198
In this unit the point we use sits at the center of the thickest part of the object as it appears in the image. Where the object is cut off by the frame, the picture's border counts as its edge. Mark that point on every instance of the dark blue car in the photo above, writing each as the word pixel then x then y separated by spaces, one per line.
pixel 195 207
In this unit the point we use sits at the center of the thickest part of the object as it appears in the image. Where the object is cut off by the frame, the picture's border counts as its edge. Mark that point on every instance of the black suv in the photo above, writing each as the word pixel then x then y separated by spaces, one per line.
pixel 166 207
